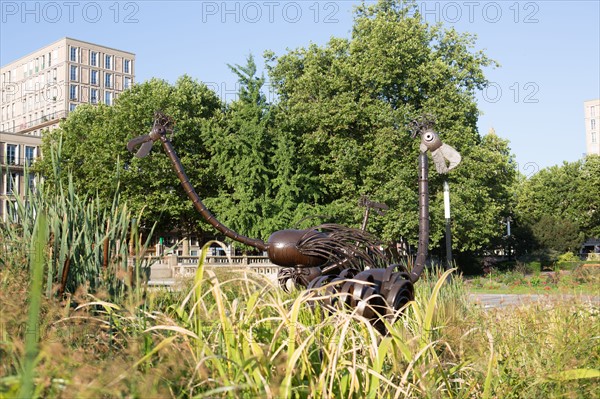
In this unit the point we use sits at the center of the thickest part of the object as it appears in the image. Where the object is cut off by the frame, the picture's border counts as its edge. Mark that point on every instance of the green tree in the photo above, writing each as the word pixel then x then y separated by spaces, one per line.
pixel 348 102
pixel 254 162
pixel 239 142
pixel 94 142
pixel 560 204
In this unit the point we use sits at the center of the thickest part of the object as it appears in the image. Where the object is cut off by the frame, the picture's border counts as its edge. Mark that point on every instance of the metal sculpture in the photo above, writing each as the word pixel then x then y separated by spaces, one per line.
pixel 348 263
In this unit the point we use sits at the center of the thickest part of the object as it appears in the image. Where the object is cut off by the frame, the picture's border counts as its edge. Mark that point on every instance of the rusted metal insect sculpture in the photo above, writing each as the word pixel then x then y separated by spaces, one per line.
pixel 349 264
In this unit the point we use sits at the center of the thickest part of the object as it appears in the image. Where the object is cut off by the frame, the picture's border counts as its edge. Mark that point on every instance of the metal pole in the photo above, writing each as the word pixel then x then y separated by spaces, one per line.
pixel 448 233
pixel 508 220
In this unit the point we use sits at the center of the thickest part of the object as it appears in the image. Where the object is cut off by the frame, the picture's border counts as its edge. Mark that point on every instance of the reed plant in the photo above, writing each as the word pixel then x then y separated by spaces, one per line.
pixel 90 246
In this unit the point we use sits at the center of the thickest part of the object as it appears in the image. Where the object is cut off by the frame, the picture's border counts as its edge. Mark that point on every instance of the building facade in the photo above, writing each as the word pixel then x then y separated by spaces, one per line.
pixel 17 152
pixel 40 89
pixel 592 126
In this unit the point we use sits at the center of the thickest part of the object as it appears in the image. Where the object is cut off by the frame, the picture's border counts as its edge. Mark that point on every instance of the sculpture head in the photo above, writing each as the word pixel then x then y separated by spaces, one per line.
pixel 284 249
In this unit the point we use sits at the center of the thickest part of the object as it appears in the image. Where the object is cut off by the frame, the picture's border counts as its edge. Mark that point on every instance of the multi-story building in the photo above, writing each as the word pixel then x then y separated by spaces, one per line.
pixel 40 89
pixel 17 152
pixel 592 126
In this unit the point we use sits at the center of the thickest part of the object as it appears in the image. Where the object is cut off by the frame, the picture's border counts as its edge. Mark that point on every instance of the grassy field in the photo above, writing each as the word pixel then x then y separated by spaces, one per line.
pixel 76 321
pixel 229 336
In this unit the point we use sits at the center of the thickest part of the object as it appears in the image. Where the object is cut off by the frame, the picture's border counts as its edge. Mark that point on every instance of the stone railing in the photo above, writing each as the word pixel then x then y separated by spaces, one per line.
pixel 179 266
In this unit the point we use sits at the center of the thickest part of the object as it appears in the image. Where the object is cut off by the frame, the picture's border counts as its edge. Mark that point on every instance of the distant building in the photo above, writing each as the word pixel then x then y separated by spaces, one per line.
pixel 40 89
pixel 17 151
pixel 592 126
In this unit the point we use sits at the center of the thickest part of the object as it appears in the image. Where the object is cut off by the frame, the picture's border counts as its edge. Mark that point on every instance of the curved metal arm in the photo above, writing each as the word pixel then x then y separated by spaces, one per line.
pixel 158 132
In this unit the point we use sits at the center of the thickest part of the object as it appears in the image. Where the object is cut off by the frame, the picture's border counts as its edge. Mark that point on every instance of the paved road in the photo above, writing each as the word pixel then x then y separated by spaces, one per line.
pixel 503 300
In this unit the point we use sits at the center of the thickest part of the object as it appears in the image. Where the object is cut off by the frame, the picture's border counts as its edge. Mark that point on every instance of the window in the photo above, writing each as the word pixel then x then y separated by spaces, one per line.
pixel 73 92
pixel 12 180
pixel 94 96
pixel 107 61
pixel 126 66
pixel 593 111
pixel 93 58
pixel 594 138
pixel 29 155
pixel 108 96
pixel 72 107
pixel 108 80
pixel 73 54
pixel 94 77
pixel 11 154
pixel 593 124
pixel 126 82
pixel 73 73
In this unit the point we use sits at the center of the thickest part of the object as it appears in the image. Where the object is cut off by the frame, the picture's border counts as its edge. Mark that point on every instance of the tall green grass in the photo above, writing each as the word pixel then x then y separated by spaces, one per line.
pixel 90 246
pixel 237 335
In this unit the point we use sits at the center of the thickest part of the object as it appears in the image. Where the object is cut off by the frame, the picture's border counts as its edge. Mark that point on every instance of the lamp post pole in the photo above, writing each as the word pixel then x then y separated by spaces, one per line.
pixel 508 238
pixel 448 233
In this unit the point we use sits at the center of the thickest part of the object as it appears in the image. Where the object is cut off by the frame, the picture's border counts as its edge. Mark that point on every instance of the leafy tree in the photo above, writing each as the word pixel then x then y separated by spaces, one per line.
pixel 347 104
pixel 239 142
pixel 561 235
pixel 94 142
pixel 255 163
pixel 560 204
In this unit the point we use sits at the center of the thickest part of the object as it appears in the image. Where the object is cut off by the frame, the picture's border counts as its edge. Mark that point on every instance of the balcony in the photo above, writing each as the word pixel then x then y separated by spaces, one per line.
pixel 39 123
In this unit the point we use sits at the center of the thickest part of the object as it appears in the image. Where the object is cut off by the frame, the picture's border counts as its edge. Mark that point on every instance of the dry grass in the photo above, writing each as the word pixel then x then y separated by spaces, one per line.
pixel 244 338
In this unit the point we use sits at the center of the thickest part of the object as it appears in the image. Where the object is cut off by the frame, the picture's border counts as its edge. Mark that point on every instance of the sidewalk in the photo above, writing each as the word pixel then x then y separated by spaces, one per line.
pixel 503 300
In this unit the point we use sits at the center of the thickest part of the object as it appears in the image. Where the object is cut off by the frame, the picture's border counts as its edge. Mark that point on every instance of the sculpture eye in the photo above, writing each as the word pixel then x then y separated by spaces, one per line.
pixel 428 136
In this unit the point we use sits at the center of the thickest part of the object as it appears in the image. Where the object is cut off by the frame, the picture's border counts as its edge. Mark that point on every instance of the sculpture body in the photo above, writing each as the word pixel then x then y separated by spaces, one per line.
pixel 346 261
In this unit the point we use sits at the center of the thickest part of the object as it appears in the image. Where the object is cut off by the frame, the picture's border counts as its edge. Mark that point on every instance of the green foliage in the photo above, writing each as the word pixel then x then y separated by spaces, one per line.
pixel 88 245
pixel 94 152
pixel 559 205
pixel 253 162
pixel 37 265
pixel 558 235
pixel 568 257
pixel 348 103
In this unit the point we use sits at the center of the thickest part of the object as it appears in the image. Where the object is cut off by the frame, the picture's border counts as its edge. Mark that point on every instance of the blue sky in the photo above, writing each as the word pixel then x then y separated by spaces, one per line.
pixel 549 51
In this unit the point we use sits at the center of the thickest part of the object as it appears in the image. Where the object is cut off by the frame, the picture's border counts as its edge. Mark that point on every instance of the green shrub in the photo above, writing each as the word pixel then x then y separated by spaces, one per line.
pixel 568 257
pixel 535 281
pixel 534 267
pixel 568 265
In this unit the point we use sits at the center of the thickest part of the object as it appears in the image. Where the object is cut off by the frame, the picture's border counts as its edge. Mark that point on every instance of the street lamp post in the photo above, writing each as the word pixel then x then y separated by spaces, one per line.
pixel 508 238
pixel 448 233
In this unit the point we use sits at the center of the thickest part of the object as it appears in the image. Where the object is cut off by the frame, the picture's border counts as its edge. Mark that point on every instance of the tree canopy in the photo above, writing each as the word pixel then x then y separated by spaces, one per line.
pixel 348 104
pixel 94 149
pixel 561 205
pixel 337 130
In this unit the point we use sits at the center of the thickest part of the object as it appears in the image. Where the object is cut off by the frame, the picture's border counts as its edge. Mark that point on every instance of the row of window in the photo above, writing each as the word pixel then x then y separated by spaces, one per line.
pixel 95 57
pixel 94 74
pixel 12 156
pixel 31 67
pixel 42 83
pixel 94 98
pixel 34 118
